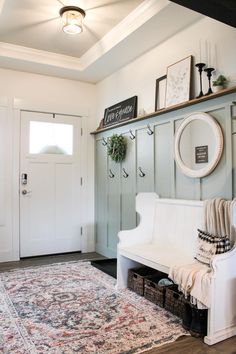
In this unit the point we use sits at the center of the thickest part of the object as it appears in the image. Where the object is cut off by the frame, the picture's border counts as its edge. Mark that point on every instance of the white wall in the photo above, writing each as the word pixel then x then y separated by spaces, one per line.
pixel 138 78
pixel 49 94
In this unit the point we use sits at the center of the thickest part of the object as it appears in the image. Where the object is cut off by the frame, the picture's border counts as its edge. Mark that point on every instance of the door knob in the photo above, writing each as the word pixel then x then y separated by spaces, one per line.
pixel 24 192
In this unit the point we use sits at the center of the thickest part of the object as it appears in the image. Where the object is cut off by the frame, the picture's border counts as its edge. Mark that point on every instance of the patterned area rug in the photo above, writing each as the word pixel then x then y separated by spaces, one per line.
pixel 74 308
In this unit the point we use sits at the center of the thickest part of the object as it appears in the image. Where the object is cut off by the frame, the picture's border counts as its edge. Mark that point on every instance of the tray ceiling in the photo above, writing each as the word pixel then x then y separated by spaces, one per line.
pixel 115 33
pixel 37 23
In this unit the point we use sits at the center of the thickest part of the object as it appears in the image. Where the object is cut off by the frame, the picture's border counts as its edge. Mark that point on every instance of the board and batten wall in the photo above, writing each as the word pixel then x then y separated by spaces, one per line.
pixel 150 166
pixel 139 78
pixel 20 90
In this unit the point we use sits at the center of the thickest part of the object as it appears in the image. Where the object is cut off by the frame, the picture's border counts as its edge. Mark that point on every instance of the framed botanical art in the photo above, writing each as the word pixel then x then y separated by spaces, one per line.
pixel 178 82
pixel 160 93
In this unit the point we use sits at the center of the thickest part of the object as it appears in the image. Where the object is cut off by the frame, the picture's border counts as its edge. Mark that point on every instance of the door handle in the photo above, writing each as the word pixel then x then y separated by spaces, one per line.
pixel 25 192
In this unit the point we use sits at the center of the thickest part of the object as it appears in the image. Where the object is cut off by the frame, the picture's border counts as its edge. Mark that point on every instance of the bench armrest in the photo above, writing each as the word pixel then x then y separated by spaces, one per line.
pixel 223 258
pixel 145 207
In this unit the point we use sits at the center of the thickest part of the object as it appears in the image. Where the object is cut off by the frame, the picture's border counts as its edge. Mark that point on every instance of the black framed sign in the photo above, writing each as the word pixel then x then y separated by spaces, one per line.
pixel 121 111
pixel 201 154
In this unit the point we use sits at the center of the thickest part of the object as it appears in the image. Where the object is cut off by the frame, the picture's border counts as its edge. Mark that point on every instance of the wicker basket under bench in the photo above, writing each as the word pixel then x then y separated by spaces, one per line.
pixel 144 282
pixel 136 278
pixel 174 301
pixel 153 291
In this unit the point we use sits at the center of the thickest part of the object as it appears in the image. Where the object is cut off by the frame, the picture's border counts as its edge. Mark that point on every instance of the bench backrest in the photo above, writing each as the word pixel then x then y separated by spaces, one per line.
pixel 176 222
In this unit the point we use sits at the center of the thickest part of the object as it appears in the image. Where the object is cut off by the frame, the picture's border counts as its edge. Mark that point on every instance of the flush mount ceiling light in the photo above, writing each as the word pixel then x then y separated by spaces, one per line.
pixel 72 17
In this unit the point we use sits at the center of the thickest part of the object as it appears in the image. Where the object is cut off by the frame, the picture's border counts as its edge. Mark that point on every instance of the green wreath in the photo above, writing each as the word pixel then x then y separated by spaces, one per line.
pixel 116 147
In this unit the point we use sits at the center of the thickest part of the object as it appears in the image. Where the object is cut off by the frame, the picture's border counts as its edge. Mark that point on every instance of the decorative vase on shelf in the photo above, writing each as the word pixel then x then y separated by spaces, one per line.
pixel 220 83
pixel 217 88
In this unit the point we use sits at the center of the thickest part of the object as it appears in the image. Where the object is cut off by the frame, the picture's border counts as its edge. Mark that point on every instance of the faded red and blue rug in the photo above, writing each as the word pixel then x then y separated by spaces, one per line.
pixel 74 308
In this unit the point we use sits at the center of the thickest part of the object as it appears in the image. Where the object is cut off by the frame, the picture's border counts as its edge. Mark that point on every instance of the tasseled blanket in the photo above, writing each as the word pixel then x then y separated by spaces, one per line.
pixel 195 279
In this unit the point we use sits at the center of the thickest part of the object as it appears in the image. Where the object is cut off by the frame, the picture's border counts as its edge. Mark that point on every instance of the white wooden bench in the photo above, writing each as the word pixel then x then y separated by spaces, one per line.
pixel 166 236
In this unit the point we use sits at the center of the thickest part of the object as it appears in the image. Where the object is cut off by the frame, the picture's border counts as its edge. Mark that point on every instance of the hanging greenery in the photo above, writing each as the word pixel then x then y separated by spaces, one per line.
pixel 116 147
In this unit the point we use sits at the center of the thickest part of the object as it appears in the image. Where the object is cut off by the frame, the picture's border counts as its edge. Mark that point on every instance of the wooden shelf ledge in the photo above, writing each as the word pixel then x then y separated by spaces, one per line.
pixel 169 109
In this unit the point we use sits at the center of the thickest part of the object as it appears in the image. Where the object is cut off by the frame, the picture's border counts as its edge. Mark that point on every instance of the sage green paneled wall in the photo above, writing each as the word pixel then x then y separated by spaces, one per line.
pixel 150 166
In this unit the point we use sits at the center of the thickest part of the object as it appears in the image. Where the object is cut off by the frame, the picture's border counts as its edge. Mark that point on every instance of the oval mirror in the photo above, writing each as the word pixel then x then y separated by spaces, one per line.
pixel 198 145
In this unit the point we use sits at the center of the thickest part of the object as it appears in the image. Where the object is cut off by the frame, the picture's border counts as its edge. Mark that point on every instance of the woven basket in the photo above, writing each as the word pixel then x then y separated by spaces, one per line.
pixel 154 292
pixel 136 278
pixel 174 301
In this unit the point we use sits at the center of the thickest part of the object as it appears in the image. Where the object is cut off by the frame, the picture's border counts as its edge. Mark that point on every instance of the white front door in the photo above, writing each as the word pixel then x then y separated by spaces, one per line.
pixel 49 184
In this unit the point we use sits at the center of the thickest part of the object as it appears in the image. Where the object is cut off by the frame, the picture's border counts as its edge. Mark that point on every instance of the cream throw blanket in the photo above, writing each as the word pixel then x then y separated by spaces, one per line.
pixel 195 279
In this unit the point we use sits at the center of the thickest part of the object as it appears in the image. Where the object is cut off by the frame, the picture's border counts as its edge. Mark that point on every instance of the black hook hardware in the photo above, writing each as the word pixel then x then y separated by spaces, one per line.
pixel 104 142
pixel 132 136
pixel 234 102
pixel 141 174
pixel 125 174
pixel 111 174
pixel 149 130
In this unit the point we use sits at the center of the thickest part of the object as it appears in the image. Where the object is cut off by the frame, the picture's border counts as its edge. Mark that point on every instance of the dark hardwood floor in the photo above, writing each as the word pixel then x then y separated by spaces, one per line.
pixel 190 345
pixel 44 260
pixel 184 345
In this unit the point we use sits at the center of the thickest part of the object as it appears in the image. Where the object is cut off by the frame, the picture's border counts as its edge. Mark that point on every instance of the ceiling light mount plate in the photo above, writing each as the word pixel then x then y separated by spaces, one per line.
pixel 73 9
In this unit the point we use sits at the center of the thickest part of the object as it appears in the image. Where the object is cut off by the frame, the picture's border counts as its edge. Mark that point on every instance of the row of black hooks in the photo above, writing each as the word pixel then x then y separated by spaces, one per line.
pixel 132 135
pixel 125 174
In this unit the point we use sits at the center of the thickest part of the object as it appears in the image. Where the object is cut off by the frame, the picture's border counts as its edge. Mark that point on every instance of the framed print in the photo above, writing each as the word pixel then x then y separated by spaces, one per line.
pixel 178 82
pixel 160 92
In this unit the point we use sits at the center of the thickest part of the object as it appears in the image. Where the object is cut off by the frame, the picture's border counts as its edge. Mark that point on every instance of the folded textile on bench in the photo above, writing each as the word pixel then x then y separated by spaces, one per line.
pixel 217 218
pixel 195 279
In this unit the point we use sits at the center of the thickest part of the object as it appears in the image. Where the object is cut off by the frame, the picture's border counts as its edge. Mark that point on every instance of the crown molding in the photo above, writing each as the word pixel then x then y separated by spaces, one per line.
pixel 143 13
pixel 32 55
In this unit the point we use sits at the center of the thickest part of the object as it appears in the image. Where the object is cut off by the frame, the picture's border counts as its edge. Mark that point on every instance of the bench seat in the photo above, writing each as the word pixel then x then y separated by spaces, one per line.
pixel 166 236
pixel 152 256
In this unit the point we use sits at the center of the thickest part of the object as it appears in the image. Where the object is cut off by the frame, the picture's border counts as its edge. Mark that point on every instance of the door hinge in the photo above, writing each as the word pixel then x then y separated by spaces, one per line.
pixel 81 230
pixel 81 131
pixel 81 181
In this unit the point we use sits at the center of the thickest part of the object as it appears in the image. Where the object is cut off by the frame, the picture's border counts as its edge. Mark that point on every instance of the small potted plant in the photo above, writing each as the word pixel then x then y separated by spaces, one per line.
pixel 220 83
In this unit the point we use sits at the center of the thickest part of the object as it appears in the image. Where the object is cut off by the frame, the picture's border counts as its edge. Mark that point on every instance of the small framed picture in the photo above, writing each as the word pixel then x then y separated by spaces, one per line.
pixel 178 82
pixel 160 92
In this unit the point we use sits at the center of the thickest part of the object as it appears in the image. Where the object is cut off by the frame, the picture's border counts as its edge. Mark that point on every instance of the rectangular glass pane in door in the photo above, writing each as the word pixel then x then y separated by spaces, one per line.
pixel 50 138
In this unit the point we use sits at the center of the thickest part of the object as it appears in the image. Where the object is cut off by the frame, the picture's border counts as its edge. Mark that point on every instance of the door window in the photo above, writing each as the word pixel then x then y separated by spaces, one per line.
pixel 50 138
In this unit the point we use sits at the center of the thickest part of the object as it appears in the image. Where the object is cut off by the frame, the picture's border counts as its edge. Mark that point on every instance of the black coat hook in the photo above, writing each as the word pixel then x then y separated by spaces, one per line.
pixel 149 130
pixel 104 142
pixel 111 174
pixel 141 174
pixel 132 136
pixel 125 174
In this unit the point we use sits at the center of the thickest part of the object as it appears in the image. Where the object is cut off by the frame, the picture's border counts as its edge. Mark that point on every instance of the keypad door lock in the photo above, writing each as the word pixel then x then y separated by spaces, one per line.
pixel 24 178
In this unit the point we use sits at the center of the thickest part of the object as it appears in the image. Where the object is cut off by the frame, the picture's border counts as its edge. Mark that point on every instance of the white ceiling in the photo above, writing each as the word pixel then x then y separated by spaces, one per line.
pixel 37 23
pixel 115 33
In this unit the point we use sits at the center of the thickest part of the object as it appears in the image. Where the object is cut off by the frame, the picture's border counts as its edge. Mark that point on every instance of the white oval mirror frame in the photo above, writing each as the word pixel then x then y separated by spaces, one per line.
pixel 217 132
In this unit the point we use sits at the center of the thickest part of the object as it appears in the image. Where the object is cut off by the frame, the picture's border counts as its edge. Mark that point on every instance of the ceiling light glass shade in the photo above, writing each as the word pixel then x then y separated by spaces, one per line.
pixel 72 17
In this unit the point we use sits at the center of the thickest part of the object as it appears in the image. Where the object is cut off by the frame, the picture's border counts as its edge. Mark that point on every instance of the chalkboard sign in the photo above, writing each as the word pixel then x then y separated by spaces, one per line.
pixel 121 111
pixel 201 154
